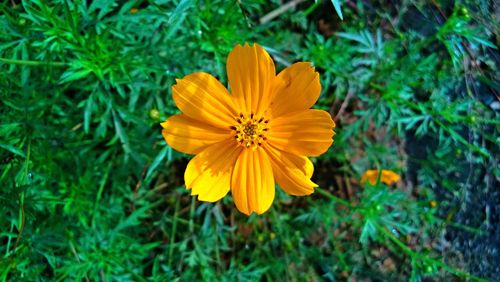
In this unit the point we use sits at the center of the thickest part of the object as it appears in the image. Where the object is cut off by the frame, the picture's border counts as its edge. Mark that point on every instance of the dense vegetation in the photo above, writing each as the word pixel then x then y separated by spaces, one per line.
pixel 91 191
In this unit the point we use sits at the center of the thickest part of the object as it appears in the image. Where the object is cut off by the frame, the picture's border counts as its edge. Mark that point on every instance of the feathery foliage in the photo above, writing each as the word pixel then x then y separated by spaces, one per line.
pixel 90 191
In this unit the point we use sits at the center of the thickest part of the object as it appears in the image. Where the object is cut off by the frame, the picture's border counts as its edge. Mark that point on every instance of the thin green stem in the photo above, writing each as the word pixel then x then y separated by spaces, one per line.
pixel 290 276
pixel 312 8
pixel 22 216
pixel 191 215
pixel 340 255
pixel 99 193
pixel 10 239
pixel 174 230
pixel 467 228
pixel 412 254
pixel 32 63
pixel 333 198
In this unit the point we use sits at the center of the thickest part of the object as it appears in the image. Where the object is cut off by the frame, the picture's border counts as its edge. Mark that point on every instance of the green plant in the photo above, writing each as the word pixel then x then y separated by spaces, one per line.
pixel 90 191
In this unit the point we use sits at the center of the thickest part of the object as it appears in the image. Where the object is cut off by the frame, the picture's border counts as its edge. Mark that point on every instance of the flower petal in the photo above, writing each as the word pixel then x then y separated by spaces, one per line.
pixel 202 97
pixel 252 183
pixel 292 172
pixel 305 133
pixel 297 88
pixel 251 75
pixel 208 174
pixel 190 136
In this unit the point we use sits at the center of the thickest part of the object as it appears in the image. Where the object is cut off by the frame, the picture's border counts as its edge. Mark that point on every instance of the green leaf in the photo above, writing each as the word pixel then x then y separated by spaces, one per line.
pixel 133 219
pixel 336 5
pixel 157 161
pixel 177 17
pixel 13 150
pixel 71 75
pixel 88 113
pixel 121 134
pixel 367 232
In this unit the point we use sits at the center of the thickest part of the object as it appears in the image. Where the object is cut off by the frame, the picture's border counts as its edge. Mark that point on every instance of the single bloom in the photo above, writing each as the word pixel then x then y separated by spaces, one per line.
pixel 388 177
pixel 259 133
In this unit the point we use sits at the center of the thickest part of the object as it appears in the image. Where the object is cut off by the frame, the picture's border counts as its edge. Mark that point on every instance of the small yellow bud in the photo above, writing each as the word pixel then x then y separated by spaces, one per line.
pixel 272 235
pixel 154 114
pixel 433 204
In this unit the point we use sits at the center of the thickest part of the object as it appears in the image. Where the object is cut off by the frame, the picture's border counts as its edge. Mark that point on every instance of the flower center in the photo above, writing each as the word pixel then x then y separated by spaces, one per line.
pixel 250 130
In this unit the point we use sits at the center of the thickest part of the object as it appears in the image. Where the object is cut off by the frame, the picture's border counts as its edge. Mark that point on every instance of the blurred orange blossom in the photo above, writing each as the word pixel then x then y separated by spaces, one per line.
pixel 388 177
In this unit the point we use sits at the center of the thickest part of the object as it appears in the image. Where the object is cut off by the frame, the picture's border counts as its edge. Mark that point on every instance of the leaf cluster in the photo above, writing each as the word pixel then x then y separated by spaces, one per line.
pixel 90 191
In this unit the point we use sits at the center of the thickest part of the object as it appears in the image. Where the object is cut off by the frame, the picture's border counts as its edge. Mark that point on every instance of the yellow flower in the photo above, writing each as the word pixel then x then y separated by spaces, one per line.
pixel 388 177
pixel 261 132
pixel 433 204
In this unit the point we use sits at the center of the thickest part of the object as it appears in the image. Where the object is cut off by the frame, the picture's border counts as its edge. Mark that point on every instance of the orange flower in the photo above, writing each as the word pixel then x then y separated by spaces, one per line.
pixel 388 177
pixel 261 132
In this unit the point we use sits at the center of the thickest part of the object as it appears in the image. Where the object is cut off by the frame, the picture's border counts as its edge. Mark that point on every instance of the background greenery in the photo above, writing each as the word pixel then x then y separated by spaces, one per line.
pixel 90 191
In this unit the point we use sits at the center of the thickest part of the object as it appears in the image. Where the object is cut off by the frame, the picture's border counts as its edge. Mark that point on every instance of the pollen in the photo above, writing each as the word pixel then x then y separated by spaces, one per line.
pixel 250 131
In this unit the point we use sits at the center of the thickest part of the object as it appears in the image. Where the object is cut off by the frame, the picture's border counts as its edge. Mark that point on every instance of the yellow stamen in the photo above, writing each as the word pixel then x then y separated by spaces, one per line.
pixel 250 131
